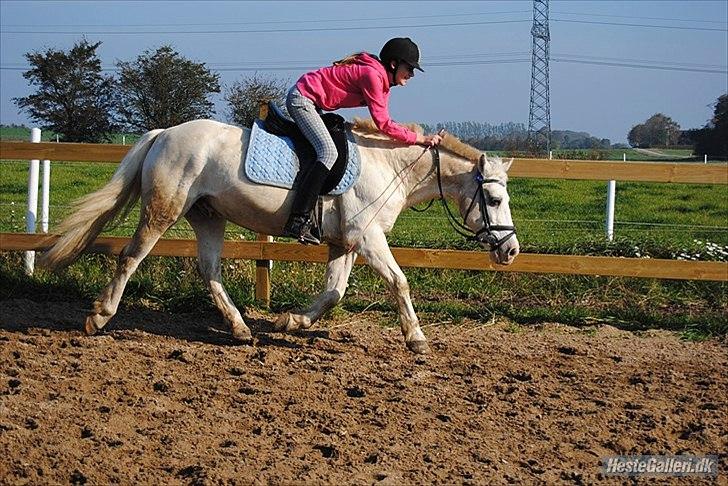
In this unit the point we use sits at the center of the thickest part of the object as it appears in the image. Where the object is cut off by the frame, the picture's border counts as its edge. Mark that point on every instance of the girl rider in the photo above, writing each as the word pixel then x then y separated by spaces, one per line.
pixel 359 80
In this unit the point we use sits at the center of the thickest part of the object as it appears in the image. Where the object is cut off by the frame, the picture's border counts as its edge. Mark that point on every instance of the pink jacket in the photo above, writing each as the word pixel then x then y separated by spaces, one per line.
pixel 362 83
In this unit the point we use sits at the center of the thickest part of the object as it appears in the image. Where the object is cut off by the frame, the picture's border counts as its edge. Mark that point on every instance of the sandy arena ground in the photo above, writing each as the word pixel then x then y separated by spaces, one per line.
pixel 171 399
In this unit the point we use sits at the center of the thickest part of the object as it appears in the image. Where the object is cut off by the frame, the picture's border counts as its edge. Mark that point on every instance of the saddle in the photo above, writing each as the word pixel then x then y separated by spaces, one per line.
pixel 279 124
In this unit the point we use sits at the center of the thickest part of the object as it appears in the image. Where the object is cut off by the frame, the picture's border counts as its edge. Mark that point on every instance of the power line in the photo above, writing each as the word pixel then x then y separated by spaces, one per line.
pixel 320 62
pixel 676 27
pixel 265 22
pixel 641 66
pixel 371 19
pixel 442 60
pixel 575 59
pixel 334 29
pixel 265 31
pixel 647 61
pixel 642 18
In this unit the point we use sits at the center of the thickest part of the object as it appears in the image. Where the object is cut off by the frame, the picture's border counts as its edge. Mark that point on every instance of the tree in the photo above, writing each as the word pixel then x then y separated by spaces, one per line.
pixel 713 138
pixel 73 99
pixel 161 89
pixel 662 130
pixel 657 130
pixel 637 136
pixel 245 96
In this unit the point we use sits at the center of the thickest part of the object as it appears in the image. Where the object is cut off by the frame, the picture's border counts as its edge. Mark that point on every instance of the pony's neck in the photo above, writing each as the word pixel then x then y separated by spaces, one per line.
pixel 421 185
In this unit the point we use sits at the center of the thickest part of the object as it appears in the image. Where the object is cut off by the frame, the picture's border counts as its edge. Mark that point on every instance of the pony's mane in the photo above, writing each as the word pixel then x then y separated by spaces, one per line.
pixel 367 128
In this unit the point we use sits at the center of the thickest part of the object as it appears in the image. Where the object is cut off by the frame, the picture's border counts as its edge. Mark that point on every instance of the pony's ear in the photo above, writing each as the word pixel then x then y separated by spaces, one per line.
pixel 507 165
pixel 482 162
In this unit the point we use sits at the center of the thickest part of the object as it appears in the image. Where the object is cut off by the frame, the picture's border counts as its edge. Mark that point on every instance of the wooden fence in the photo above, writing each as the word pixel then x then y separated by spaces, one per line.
pixel 689 173
pixel 264 251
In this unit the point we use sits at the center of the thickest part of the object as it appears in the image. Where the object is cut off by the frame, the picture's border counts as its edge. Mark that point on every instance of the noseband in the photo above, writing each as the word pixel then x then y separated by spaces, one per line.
pixel 485 234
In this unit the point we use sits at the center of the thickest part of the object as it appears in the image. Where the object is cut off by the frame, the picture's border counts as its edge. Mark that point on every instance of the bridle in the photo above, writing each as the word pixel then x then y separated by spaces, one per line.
pixel 485 234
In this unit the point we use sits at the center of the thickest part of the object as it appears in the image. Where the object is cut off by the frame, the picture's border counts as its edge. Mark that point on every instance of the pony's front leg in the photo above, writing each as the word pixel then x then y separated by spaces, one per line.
pixel 375 249
pixel 338 270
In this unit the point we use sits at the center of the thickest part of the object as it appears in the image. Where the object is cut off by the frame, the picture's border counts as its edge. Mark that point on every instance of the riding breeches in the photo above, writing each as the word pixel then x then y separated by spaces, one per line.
pixel 307 117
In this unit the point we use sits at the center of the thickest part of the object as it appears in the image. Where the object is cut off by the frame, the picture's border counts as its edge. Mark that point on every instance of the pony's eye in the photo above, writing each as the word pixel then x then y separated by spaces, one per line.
pixel 494 201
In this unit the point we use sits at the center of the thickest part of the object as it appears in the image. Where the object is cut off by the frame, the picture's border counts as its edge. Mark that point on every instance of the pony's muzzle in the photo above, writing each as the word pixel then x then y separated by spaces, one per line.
pixel 507 252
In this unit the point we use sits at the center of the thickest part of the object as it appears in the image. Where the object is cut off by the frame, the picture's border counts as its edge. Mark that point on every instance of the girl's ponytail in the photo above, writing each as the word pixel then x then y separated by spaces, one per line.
pixel 350 59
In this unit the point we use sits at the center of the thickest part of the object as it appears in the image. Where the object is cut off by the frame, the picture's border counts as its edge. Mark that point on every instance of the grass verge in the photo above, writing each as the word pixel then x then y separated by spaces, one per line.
pixel 697 309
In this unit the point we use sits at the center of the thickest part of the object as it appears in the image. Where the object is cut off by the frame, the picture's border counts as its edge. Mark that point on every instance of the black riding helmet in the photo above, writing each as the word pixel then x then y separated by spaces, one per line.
pixel 400 49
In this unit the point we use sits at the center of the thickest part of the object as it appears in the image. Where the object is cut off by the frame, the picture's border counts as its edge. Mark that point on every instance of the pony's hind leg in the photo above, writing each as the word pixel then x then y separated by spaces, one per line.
pixel 210 232
pixel 338 270
pixel 145 237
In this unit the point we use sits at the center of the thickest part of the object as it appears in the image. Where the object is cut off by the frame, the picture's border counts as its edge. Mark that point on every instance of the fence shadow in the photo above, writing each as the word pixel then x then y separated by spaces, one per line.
pixel 207 326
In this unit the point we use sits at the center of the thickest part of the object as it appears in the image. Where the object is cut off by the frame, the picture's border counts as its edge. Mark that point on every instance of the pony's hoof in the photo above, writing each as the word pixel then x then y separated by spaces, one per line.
pixel 242 334
pixel 283 322
pixel 418 347
pixel 89 327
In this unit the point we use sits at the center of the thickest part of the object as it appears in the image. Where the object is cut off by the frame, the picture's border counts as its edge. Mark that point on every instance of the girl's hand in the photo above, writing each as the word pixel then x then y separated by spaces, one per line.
pixel 429 140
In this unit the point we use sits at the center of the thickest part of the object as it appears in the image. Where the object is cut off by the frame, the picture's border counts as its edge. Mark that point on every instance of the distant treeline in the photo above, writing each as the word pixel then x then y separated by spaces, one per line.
pixel 472 129
pixel 513 136
pixel 505 136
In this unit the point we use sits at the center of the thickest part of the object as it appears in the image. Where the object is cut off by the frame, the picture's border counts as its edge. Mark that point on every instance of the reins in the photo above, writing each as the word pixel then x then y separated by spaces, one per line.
pixel 407 168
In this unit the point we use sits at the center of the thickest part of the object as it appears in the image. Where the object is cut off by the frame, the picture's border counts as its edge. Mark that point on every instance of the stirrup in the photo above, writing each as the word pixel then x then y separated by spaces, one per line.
pixel 299 227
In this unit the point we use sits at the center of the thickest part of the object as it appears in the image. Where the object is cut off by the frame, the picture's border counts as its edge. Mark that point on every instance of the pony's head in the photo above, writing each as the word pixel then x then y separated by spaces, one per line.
pixel 486 211
pixel 483 198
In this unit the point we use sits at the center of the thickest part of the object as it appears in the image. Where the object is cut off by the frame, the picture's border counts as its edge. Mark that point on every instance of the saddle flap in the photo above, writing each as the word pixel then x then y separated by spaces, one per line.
pixel 271 160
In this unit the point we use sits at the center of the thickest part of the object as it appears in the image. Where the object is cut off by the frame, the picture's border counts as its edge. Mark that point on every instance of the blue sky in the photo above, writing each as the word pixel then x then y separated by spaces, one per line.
pixel 613 63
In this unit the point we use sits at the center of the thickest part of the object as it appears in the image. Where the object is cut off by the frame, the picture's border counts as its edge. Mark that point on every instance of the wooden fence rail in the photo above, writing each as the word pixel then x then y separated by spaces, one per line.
pixel 414 257
pixel 680 172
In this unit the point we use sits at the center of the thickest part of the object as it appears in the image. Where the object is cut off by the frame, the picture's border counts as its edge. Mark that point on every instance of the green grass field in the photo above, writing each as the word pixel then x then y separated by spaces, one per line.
pixel 22 134
pixel 552 216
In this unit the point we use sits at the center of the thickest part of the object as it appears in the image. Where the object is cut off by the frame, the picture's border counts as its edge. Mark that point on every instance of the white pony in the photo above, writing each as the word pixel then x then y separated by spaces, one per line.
pixel 196 170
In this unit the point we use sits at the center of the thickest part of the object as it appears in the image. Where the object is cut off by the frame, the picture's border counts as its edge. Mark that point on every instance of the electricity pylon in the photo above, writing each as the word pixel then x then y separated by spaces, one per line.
pixel 539 117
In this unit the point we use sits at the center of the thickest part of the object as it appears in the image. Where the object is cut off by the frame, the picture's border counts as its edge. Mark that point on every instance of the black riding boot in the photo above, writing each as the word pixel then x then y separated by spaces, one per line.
pixel 299 222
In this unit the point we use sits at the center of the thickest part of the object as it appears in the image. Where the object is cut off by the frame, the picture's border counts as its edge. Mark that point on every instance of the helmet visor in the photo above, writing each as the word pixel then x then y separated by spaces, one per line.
pixel 415 65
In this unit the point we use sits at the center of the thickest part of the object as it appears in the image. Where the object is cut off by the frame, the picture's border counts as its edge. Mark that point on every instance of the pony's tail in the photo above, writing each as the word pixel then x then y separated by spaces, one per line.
pixel 91 213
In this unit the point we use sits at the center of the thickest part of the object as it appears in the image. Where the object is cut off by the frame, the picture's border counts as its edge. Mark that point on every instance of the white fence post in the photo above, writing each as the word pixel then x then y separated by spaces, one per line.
pixel 705 160
pixel 32 211
pixel 611 196
pixel 45 197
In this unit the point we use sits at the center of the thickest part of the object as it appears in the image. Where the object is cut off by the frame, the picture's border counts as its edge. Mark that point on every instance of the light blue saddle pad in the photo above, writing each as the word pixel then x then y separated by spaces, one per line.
pixel 272 161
